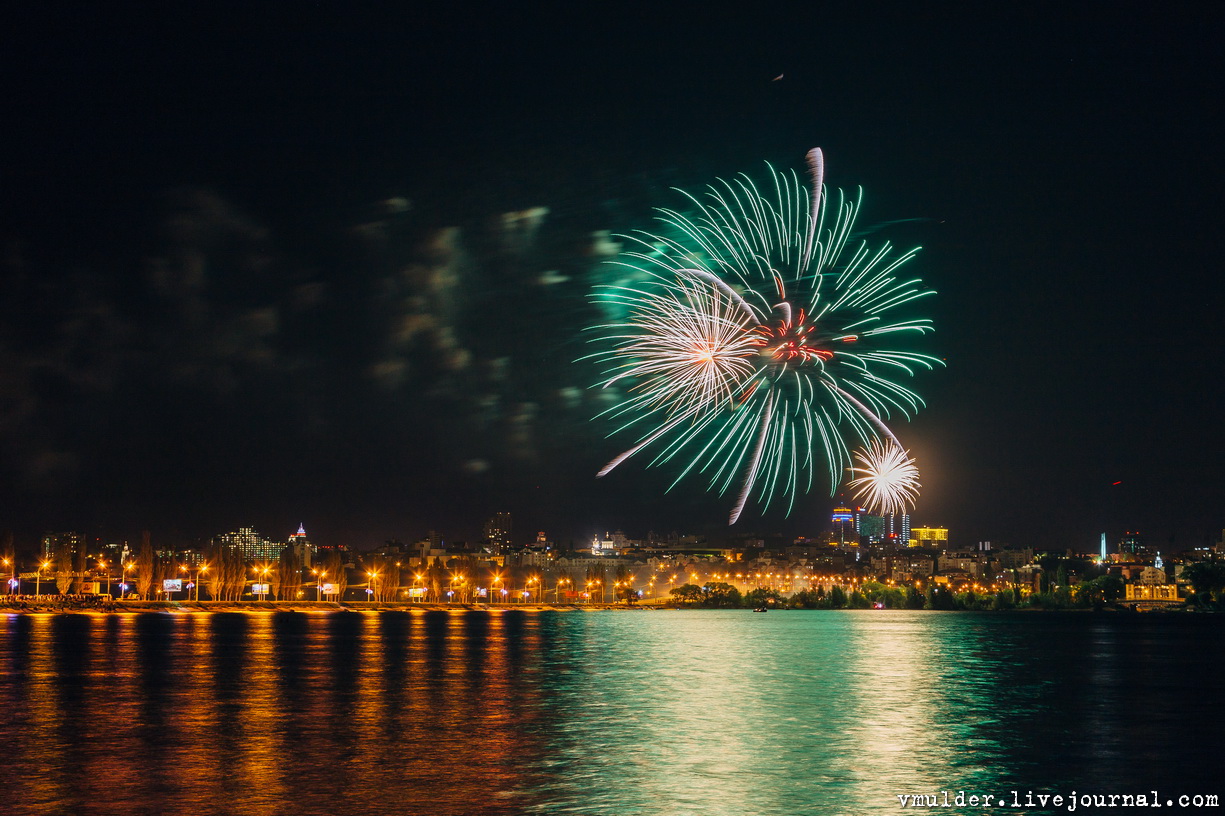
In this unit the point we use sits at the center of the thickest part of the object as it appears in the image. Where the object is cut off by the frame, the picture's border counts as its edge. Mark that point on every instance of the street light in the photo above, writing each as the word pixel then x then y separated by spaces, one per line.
pixel 370 579
pixel 12 581
pixel 128 567
pixel 102 566
pixel 202 569
pixel 38 576
pixel 262 571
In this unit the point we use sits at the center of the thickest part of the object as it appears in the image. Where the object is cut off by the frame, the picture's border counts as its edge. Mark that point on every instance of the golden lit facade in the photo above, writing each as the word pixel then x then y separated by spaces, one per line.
pixel 929 536
pixel 1165 593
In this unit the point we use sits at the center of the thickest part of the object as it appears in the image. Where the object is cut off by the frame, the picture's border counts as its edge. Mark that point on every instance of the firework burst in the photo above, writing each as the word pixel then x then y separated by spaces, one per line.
pixel 757 336
pixel 889 483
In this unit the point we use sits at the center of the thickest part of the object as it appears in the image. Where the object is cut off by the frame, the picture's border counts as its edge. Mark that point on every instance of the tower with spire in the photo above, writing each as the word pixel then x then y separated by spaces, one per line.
pixel 301 546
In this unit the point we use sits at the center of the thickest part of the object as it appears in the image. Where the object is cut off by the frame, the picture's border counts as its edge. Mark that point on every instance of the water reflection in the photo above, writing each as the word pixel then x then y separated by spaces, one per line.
pixel 510 712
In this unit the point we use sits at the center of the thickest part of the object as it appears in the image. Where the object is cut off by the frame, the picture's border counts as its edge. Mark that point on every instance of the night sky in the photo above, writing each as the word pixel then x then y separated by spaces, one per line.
pixel 256 268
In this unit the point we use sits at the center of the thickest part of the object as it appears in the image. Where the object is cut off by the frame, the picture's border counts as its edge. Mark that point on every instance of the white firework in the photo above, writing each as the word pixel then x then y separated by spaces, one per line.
pixel 889 480
pixel 686 347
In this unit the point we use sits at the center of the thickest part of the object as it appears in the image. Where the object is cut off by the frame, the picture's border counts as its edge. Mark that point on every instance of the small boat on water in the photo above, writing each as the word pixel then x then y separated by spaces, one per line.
pixel 761 609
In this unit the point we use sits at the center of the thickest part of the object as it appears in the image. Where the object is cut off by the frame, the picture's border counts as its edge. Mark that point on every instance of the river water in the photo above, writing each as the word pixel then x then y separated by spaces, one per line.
pixel 645 712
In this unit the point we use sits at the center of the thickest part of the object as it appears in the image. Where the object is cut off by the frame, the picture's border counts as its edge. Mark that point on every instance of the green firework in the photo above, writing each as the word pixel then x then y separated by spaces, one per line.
pixel 759 336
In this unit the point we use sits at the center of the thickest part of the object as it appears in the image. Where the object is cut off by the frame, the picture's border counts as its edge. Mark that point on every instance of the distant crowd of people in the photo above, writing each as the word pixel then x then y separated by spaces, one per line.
pixel 50 601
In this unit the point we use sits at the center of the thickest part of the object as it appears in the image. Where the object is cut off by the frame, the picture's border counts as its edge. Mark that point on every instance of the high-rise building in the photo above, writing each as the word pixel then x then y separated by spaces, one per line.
pixel 301 547
pixel 844 525
pixel 1131 543
pixel 869 528
pixel 930 536
pixel 897 529
pixel 55 541
pixel 251 544
pixel 497 533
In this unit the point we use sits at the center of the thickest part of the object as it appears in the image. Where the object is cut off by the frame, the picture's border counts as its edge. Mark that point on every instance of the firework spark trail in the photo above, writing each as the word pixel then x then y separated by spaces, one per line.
pixel 756 462
pixel 816 166
pixel 759 338
pixel 890 480
pixel 880 426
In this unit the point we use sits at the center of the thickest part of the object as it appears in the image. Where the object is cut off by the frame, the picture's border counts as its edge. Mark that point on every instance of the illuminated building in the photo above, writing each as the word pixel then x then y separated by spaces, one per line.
pixel 844 525
pixel 869 527
pixel 930 536
pixel 497 533
pixel 897 528
pixel 609 545
pixel 1131 543
pixel 301 546
pixel 1160 593
pixel 251 544
pixel 52 542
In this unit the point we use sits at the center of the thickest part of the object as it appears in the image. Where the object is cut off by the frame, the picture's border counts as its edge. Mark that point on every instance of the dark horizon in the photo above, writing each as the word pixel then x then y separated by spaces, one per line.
pixel 229 295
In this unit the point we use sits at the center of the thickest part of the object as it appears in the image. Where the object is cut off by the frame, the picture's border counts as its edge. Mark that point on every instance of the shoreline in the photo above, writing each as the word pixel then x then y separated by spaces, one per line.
pixel 209 607
pixel 264 607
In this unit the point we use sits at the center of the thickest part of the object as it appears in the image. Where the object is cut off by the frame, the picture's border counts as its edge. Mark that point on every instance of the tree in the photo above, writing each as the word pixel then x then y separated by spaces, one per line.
pixel 687 593
pixel 624 584
pixel 10 555
pixel 383 576
pixel 887 596
pixel 804 599
pixel 336 571
pixel 837 597
pixel 721 596
pixel 939 597
pixel 163 569
pixel 227 574
pixel 389 583
pixel 761 596
pixel 63 567
pixel 563 584
pixel 145 563
pixel 274 580
pixel 1003 600
pixel 463 578
pixel 596 580
pixel 1207 578
pixel 1099 591
pixel 438 580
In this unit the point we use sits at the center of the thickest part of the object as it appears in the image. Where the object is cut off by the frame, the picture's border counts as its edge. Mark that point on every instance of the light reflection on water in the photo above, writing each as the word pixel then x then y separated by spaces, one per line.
pixel 704 712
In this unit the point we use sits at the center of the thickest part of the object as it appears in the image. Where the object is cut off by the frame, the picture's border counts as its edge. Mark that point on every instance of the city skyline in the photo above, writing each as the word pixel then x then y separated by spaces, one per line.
pixel 249 278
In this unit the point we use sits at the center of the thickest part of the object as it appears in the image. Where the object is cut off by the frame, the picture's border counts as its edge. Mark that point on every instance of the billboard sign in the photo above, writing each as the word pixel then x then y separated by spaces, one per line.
pixel 172 585
pixel 259 589
pixel 329 589
pixel 416 592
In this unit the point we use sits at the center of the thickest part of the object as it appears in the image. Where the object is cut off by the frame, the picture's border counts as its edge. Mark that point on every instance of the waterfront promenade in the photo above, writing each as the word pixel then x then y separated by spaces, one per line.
pixel 103 605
